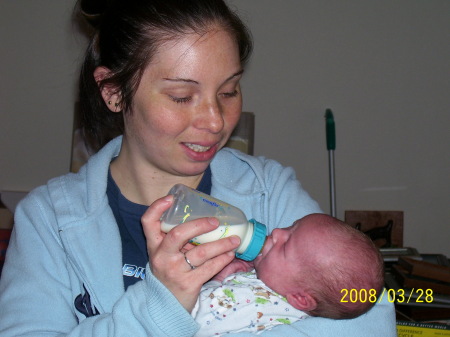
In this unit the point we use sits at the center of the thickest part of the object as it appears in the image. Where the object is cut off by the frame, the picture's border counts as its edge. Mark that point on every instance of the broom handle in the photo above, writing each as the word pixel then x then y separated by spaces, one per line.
pixel 331 146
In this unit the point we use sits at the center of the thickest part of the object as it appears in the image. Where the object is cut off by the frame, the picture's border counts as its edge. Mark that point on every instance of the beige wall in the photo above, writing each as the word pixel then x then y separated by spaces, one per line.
pixel 383 67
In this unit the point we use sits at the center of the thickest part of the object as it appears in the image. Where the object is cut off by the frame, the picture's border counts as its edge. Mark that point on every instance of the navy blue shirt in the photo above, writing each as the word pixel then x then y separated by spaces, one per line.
pixel 128 217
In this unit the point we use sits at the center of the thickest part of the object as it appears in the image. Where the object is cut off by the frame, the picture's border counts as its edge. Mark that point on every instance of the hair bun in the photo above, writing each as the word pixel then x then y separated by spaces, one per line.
pixel 93 10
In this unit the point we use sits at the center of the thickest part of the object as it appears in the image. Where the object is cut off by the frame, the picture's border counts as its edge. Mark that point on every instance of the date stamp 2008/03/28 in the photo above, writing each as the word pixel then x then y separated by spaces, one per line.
pixel 393 295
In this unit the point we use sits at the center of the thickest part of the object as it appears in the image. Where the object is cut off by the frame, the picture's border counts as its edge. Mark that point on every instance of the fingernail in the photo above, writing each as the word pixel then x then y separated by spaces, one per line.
pixel 213 221
pixel 235 239
pixel 168 197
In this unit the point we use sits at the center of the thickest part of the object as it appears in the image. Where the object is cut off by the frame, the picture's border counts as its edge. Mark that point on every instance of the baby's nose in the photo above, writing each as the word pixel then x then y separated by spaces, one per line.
pixel 277 233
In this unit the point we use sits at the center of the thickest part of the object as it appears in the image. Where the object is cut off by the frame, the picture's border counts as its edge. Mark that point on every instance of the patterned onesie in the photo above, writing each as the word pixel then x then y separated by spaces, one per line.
pixel 241 303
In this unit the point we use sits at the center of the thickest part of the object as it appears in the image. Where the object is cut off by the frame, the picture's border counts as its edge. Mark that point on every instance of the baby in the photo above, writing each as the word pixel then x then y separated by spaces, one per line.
pixel 319 266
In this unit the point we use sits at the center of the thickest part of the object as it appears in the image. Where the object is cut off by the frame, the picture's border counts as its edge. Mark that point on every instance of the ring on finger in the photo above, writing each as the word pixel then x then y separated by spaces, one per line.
pixel 188 262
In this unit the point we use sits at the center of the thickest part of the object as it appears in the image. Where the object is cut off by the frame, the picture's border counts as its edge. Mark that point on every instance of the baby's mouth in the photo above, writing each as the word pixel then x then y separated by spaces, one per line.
pixel 267 246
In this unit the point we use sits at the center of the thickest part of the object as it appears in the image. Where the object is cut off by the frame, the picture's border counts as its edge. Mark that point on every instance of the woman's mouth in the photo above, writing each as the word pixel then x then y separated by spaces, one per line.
pixel 197 147
pixel 201 153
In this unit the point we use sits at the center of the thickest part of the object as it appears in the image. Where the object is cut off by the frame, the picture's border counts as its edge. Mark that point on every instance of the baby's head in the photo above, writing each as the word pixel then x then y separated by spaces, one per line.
pixel 316 260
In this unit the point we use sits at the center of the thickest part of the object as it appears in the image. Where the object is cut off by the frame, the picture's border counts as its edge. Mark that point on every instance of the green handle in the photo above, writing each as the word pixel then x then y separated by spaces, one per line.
pixel 331 131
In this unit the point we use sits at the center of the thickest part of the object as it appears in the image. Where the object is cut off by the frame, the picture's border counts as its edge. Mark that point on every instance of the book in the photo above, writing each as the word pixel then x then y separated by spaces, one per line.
pixel 417 282
pixel 414 296
pixel 425 269
pixel 422 313
pixel 417 329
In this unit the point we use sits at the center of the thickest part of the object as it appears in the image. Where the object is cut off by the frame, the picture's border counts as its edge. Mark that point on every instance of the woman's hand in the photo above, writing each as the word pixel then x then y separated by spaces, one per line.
pixel 168 253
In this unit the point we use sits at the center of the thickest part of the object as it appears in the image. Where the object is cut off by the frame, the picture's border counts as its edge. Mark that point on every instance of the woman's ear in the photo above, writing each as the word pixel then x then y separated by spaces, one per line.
pixel 302 301
pixel 111 97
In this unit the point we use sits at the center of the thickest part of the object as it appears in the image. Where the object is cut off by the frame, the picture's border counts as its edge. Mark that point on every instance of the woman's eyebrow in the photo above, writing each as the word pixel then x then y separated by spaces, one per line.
pixel 188 80
pixel 178 79
pixel 240 72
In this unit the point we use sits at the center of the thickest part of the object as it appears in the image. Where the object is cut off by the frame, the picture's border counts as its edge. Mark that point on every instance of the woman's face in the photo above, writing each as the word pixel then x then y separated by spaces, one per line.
pixel 186 105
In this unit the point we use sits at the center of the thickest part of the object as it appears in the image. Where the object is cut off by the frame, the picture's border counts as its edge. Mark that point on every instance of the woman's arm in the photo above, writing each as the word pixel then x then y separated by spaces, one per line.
pixel 38 287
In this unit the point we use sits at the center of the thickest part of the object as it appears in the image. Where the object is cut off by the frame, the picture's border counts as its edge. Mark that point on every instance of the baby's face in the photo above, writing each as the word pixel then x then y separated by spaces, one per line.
pixel 282 255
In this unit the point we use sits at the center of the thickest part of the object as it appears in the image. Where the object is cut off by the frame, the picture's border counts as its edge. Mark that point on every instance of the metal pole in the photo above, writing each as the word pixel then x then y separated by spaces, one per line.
pixel 332 183
pixel 331 146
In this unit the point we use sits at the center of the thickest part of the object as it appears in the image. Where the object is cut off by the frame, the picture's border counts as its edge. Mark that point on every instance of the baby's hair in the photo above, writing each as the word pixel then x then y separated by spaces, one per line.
pixel 354 263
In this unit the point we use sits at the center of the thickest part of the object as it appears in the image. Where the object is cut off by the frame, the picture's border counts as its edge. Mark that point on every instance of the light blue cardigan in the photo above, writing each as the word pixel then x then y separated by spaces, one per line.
pixel 66 240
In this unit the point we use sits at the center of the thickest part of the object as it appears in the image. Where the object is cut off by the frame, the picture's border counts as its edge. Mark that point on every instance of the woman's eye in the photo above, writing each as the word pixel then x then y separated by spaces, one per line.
pixel 231 94
pixel 180 99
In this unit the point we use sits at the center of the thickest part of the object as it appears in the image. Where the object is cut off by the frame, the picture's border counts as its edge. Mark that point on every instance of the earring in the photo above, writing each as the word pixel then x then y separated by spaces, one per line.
pixel 116 104
pixel 109 102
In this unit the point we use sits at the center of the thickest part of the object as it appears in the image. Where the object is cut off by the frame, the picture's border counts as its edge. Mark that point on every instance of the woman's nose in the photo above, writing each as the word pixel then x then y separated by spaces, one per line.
pixel 209 117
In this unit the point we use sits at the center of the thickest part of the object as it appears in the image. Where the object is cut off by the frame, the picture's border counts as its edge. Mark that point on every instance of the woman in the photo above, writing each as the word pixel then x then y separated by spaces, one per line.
pixel 87 257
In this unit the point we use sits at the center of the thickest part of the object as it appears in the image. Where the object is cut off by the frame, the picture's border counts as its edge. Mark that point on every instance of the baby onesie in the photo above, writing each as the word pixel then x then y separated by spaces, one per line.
pixel 241 303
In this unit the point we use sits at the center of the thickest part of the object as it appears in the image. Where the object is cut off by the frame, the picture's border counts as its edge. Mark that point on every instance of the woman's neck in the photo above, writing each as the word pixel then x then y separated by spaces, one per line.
pixel 143 184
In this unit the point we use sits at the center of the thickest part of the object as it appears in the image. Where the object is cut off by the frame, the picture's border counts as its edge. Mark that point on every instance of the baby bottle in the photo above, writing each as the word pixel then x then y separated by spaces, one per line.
pixel 190 204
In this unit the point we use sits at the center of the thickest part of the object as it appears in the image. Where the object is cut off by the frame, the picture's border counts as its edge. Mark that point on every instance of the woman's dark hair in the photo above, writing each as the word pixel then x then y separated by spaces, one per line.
pixel 126 36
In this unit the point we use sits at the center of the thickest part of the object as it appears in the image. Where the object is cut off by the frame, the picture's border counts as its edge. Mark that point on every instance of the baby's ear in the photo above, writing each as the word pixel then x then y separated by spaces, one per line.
pixel 301 300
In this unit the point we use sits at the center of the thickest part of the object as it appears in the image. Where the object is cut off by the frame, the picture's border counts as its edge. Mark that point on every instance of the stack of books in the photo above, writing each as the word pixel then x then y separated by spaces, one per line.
pixel 422 288
pixel 422 275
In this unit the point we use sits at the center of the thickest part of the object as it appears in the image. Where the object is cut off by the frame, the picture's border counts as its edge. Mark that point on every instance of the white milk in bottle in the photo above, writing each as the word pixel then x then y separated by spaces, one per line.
pixel 190 204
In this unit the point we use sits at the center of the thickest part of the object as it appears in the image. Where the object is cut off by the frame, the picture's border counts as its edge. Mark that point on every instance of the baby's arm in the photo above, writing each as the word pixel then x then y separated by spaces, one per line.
pixel 237 265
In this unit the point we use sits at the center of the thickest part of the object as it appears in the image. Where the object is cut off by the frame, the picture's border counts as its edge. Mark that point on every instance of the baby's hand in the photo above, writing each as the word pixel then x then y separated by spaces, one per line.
pixel 235 266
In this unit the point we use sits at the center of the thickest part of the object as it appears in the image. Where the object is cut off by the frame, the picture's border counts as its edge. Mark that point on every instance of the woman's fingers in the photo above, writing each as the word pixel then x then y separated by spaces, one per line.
pixel 178 236
pixel 181 234
pixel 208 251
pixel 151 223
pixel 179 265
pixel 205 269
